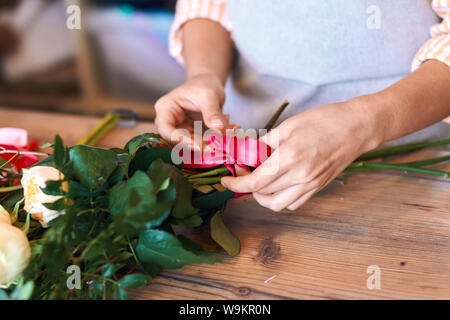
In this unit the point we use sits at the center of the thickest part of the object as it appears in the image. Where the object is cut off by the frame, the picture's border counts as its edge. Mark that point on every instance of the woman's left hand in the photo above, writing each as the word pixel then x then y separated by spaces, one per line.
pixel 310 150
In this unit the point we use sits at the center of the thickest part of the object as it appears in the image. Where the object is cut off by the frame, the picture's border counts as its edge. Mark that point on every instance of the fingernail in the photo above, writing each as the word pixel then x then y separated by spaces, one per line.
pixel 216 121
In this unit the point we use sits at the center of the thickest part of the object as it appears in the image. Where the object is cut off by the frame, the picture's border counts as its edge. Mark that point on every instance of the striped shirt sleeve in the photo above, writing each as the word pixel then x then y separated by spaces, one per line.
pixel 438 47
pixel 215 10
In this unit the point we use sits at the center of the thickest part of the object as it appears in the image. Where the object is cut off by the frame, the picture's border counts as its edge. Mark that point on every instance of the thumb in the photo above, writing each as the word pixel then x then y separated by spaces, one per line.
pixel 213 116
pixel 275 137
pixel 272 138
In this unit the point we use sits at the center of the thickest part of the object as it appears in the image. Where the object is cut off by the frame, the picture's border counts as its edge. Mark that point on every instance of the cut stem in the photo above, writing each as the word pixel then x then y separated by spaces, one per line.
pixel 426 162
pixel 205 181
pixel 385 166
pixel 210 173
pixel 40 154
pixel 10 189
pixel 107 124
pixel 398 150
pixel 269 125
pixel 422 163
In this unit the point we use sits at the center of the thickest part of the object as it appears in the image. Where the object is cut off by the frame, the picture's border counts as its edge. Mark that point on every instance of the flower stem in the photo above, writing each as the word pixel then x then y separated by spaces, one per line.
pixel 427 162
pixel 133 252
pixel 205 181
pixel 40 154
pixel 397 150
pixel 10 189
pixel 208 173
pixel 269 125
pixel 385 166
pixel 354 167
pixel 106 125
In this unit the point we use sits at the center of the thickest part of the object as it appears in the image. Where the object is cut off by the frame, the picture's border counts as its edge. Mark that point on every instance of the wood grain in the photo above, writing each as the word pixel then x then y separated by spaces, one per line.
pixel 398 222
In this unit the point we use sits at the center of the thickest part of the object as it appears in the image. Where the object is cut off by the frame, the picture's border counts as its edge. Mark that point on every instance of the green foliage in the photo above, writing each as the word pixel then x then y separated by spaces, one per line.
pixel 92 166
pixel 213 200
pixel 145 157
pixel 143 140
pixel 137 202
pixel 223 236
pixel 118 210
pixel 158 250
pixel 182 208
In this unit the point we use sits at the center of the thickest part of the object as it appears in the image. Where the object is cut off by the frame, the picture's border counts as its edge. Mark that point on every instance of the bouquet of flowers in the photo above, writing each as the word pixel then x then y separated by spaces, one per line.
pixel 109 213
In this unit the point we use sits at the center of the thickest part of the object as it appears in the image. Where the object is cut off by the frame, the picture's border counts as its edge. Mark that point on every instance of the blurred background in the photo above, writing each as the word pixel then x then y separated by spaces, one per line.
pixel 118 60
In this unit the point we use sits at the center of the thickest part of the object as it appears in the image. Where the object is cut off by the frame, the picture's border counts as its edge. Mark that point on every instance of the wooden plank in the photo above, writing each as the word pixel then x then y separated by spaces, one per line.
pixel 398 222
pixel 322 250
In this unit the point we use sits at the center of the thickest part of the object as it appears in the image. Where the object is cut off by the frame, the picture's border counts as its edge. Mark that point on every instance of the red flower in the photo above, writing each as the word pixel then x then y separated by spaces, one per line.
pixel 20 161
pixel 12 140
pixel 229 151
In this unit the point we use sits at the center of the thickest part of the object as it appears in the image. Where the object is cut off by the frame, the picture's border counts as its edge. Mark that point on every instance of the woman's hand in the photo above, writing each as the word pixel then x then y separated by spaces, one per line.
pixel 200 98
pixel 314 147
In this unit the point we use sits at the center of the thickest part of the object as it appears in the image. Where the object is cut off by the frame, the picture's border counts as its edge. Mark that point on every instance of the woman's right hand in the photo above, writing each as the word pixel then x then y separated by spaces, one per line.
pixel 199 99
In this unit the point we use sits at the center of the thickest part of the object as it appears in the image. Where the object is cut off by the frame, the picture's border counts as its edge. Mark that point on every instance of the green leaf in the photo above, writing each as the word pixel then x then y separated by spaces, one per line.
pixel 160 248
pixel 11 200
pixel 160 173
pixel 192 221
pixel 110 269
pixel 222 236
pixel 213 200
pixel 145 157
pixel 92 166
pixel 58 205
pixel 53 188
pixel 59 153
pixel 194 247
pixel 142 140
pixel 46 162
pixel 182 208
pixel 134 280
pixel 136 200
pixel 122 166
pixel 120 294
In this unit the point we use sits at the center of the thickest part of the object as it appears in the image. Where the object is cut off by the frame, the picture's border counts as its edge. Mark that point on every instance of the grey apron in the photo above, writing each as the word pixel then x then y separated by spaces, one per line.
pixel 319 52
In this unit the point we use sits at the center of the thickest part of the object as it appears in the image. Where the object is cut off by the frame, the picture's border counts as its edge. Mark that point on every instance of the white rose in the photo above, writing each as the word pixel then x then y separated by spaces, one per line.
pixel 33 180
pixel 14 253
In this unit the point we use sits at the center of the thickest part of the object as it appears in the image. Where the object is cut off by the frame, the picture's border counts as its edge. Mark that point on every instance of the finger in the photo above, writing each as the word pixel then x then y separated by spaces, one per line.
pixel 302 200
pixel 321 183
pixel 212 115
pixel 298 174
pixel 168 116
pixel 281 200
pixel 265 174
pixel 283 182
pixel 276 136
pixel 242 171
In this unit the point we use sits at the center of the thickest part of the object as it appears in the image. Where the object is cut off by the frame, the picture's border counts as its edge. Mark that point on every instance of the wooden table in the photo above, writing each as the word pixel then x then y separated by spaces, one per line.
pixel 398 222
